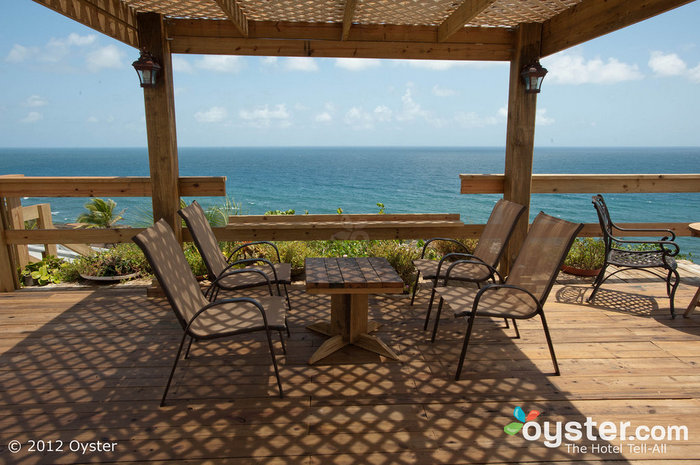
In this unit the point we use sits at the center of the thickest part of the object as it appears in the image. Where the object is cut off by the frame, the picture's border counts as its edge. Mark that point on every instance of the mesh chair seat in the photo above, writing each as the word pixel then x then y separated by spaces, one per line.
pixel 240 317
pixel 248 280
pixel 501 303
pixel 644 259
pixel 462 272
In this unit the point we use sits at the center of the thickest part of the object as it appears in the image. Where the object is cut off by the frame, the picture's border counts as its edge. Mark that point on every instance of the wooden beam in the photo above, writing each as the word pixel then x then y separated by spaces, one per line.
pixel 332 31
pixel 344 49
pixel 468 10
pixel 520 134
pixel 235 14
pixel 321 40
pixel 160 123
pixel 586 183
pixel 113 18
pixel 348 14
pixel 593 18
pixel 94 186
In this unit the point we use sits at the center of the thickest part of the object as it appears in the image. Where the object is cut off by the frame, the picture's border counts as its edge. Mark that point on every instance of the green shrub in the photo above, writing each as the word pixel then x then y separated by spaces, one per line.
pixel 194 259
pixel 400 255
pixel 587 253
pixel 120 260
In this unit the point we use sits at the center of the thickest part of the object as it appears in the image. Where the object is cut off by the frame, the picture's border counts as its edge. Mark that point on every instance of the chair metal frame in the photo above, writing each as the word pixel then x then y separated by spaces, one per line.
pixel 643 260
pixel 464 257
pixel 471 313
pixel 163 229
pixel 217 283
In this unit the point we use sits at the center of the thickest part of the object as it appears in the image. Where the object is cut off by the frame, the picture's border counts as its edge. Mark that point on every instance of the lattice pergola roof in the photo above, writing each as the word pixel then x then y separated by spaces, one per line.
pixel 423 29
pixel 501 13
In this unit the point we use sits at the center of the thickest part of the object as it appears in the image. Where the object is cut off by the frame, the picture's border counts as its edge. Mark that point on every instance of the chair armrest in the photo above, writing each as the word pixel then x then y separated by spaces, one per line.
pixel 227 301
pixel 248 244
pixel 670 236
pixel 674 249
pixel 477 262
pixel 253 260
pixel 492 287
pixel 444 239
pixel 223 275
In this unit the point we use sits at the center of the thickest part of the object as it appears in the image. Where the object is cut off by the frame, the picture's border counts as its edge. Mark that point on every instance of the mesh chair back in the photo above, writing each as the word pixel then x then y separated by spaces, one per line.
pixel 204 239
pixel 500 226
pixel 164 253
pixel 541 255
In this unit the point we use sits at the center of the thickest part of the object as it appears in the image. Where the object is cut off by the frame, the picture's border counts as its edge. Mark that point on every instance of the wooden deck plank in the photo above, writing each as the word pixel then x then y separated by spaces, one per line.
pixel 90 365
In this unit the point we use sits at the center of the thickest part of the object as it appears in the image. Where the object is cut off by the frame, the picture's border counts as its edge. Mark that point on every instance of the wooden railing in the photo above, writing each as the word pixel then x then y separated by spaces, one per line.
pixel 309 227
pixel 12 214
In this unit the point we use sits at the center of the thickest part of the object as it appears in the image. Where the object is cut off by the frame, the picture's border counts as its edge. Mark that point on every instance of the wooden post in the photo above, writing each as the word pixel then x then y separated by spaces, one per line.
pixel 520 136
pixel 16 221
pixel 8 275
pixel 44 221
pixel 160 123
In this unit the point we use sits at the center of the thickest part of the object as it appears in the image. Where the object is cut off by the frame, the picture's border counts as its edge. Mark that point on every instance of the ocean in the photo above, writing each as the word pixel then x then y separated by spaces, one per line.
pixel 404 179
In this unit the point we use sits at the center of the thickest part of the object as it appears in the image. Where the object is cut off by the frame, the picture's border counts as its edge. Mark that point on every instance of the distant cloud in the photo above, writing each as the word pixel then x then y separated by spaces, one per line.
pixel 306 64
pixel 269 61
pixel 264 116
pixel 357 64
pixel 666 64
pixel 383 114
pixel 19 53
pixel 93 120
pixel 212 115
pixel 694 74
pixel 32 117
pixel 35 101
pixel 566 68
pixel 324 117
pixel 542 119
pixel 440 91
pixel 444 65
pixel 181 65
pixel 222 63
pixel 358 118
pixel 410 109
pixel 472 119
pixel 104 58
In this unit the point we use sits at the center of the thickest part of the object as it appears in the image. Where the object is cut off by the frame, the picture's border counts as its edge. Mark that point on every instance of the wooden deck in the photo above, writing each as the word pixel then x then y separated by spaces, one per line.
pixel 90 365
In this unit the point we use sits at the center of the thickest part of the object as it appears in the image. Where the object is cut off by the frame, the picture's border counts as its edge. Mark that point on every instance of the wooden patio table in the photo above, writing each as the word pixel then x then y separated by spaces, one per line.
pixel 350 281
pixel 694 231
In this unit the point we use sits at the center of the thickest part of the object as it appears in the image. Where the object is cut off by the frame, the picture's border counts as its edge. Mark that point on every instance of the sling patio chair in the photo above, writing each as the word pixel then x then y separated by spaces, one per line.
pixel 217 264
pixel 526 288
pixel 201 319
pixel 659 254
pixel 477 267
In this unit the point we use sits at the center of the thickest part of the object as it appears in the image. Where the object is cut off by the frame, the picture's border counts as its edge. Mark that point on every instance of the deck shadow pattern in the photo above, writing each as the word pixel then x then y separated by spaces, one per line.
pixel 90 366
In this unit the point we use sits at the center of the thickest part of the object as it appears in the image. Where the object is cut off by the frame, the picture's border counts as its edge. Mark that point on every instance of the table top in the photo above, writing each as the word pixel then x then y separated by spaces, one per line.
pixel 694 229
pixel 346 275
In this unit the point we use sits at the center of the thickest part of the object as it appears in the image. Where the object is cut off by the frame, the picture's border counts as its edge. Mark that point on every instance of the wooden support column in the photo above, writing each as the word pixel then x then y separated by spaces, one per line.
pixel 160 123
pixel 8 275
pixel 520 136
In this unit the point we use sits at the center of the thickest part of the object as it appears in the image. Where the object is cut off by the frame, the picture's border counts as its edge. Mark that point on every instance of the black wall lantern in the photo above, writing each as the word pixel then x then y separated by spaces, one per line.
pixel 147 68
pixel 532 75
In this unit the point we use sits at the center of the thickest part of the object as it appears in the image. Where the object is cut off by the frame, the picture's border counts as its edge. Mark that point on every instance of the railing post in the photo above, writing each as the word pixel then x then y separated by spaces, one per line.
pixel 44 221
pixel 8 275
pixel 21 252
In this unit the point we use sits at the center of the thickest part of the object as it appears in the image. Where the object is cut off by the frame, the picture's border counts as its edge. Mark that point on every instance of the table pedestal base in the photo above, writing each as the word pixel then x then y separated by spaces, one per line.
pixel 349 326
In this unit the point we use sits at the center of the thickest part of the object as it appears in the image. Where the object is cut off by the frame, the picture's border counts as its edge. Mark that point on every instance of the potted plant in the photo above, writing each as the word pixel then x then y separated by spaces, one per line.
pixel 47 271
pixel 585 258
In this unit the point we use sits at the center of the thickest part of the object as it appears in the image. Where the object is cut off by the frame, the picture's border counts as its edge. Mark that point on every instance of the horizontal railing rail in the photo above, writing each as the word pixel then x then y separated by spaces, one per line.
pixel 45 186
pixel 586 183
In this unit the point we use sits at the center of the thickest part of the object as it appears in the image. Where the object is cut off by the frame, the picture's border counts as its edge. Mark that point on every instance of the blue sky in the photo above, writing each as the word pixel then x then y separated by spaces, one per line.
pixel 65 85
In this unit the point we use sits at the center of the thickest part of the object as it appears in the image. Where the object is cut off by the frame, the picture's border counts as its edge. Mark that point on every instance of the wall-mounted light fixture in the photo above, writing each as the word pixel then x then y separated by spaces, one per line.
pixel 532 75
pixel 147 68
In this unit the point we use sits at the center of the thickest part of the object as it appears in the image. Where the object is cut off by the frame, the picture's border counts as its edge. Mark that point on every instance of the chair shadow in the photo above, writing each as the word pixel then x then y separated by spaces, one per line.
pixel 628 303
